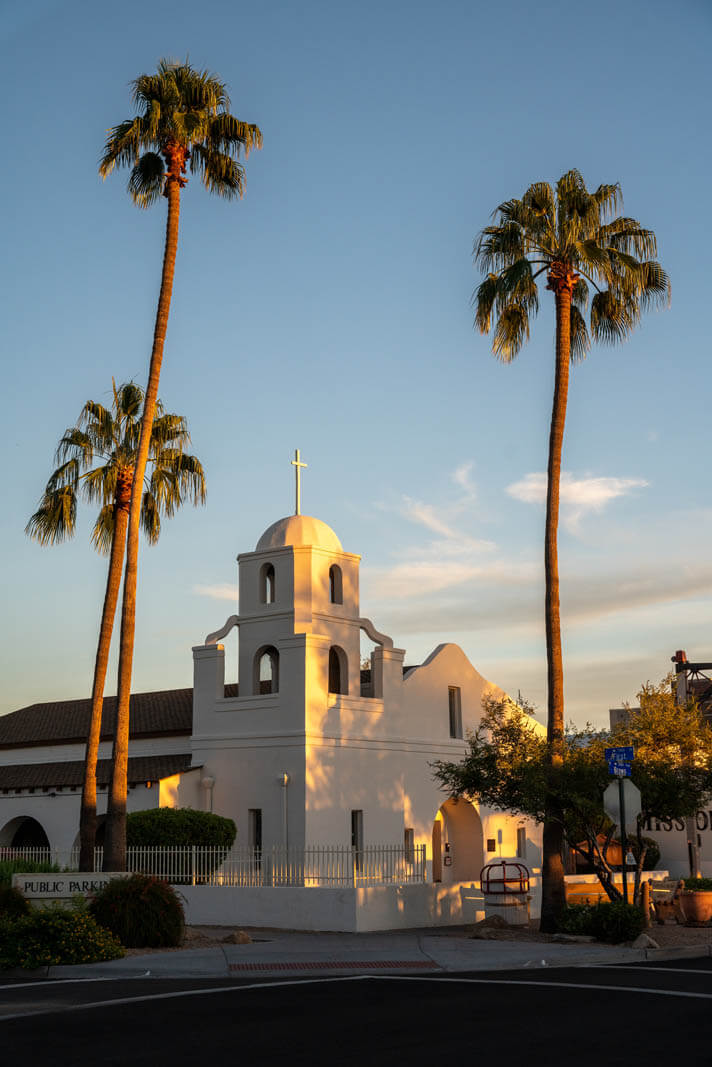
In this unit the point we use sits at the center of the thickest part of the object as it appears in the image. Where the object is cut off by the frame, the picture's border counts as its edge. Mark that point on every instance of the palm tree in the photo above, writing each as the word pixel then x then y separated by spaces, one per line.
pixel 183 118
pixel 574 238
pixel 96 460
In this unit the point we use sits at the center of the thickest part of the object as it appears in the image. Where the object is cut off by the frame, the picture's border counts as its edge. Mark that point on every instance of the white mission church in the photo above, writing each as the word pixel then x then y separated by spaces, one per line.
pixel 307 749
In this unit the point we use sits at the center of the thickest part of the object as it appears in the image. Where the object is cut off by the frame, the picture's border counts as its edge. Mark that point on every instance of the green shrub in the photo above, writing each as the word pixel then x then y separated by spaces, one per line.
pixel 614 921
pixel 54 935
pixel 177 827
pixel 17 865
pixel 576 919
pixel 611 921
pixel 140 911
pixel 699 885
pixel 12 902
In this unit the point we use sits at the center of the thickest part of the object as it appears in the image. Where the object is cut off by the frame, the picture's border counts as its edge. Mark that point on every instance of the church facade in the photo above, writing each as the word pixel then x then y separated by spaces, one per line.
pixel 311 747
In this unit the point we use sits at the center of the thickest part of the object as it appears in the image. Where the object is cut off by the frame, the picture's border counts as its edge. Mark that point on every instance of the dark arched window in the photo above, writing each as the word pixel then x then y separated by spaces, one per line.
pixel 267 586
pixel 266 679
pixel 336 592
pixel 338 670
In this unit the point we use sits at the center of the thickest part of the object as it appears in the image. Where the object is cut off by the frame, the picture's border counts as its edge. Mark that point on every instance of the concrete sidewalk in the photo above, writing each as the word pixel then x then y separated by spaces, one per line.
pixel 280 953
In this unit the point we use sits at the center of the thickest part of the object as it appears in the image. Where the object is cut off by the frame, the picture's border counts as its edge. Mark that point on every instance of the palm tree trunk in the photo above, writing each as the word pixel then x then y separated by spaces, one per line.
pixel 115 844
pixel 87 817
pixel 553 886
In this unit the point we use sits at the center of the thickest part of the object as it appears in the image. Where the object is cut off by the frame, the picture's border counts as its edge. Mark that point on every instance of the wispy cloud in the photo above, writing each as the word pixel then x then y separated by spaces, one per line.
pixel 223 591
pixel 579 496
pixel 462 476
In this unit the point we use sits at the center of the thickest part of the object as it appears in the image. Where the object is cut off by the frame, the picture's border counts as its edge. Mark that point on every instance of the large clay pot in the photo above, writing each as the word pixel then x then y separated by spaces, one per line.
pixel 696 906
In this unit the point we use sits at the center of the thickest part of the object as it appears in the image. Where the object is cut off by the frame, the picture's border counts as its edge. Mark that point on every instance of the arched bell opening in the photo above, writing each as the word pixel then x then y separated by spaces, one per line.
pixel 338 670
pixel 336 585
pixel 267 584
pixel 266 671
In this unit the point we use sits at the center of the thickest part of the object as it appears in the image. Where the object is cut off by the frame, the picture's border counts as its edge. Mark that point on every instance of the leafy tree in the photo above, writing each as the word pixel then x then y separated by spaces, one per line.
pixel 574 238
pixel 183 119
pixel 507 767
pixel 96 460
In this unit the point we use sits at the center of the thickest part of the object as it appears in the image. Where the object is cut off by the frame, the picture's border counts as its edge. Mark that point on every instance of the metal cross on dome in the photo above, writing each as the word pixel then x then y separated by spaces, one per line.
pixel 297 464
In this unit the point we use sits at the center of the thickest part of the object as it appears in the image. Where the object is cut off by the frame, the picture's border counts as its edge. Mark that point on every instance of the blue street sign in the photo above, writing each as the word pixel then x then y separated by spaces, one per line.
pixel 623 754
pixel 618 769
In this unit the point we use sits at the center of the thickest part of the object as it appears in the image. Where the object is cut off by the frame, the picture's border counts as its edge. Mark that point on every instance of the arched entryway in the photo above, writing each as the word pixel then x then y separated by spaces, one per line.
pixel 23 832
pixel 457 843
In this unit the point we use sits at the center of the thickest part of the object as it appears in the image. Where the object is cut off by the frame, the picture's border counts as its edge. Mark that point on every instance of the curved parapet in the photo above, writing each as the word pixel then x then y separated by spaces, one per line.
pixel 380 639
pixel 212 639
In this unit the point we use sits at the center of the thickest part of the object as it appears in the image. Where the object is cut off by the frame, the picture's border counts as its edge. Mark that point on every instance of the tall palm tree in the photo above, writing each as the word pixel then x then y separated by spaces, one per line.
pixel 575 239
pixel 183 119
pixel 96 460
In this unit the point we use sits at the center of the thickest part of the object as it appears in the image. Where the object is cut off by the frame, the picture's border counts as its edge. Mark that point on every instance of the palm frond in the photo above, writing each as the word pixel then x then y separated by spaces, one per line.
pixel 579 294
pixel 499 246
pixel 123 145
pixel 55 518
pixel 579 339
pixel 228 134
pixel 483 301
pixel 77 445
pixel 99 484
pixel 128 400
pixel 103 530
pixel 608 199
pixel 145 184
pixel 612 318
pixel 516 283
pixel 169 429
pixel 655 285
pixel 150 518
pixel 511 331
pixel 66 474
pixel 220 173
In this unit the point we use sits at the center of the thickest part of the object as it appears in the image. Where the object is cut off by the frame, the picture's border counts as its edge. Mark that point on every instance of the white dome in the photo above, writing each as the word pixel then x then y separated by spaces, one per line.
pixel 299 530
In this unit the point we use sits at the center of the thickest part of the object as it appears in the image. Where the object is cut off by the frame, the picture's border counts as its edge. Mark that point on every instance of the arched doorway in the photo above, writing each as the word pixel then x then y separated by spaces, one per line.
pixel 457 843
pixel 23 832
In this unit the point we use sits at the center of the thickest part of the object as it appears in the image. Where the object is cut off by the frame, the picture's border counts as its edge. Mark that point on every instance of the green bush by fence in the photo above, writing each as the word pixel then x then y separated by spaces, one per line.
pixel 178 827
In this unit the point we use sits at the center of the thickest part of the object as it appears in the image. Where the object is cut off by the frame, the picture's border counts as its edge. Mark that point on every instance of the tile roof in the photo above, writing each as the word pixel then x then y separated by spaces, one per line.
pixel 71 772
pixel 62 722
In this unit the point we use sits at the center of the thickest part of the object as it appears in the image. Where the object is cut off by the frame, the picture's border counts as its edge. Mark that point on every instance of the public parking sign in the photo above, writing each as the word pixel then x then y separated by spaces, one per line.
pixel 622 754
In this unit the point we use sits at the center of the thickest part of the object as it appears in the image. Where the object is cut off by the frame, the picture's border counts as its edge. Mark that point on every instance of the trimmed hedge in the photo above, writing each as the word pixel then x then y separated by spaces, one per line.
pixel 140 911
pixel 54 935
pixel 178 827
pixel 609 920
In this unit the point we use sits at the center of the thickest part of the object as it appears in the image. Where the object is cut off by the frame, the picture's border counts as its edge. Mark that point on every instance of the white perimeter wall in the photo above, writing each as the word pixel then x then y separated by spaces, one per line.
pixel 343 910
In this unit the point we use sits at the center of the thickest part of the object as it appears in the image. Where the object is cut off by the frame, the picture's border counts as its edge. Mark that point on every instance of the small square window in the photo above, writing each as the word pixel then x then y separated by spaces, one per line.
pixel 521 842
pixel 409 844
pixel 491 844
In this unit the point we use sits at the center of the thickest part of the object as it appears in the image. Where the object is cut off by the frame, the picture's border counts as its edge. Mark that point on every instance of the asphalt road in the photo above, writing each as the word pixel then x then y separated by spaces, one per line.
pixel 581 1016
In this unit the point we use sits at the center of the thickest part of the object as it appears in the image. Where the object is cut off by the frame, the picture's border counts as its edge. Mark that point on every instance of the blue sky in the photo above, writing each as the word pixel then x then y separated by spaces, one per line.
pixel 329 310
